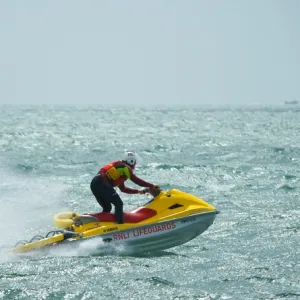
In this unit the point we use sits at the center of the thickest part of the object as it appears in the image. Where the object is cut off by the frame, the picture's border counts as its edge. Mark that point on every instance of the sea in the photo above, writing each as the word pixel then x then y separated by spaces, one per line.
pixel 244 160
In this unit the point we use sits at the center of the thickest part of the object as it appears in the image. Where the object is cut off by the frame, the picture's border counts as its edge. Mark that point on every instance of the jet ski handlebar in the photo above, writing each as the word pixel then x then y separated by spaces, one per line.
pixel 155 191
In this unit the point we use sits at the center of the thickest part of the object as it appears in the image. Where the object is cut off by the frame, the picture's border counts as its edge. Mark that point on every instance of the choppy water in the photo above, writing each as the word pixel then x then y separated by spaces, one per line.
pixel 244 161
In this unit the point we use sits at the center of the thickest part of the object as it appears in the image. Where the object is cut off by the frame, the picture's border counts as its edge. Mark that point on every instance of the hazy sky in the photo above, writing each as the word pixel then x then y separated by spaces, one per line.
pixel 134 52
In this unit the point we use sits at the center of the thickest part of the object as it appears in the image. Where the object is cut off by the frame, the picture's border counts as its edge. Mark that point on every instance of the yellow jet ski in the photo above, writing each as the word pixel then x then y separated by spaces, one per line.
pixel 170 219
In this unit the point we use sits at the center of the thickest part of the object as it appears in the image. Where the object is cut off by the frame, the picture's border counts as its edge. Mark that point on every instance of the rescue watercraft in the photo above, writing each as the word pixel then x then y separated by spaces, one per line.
pixel 170 219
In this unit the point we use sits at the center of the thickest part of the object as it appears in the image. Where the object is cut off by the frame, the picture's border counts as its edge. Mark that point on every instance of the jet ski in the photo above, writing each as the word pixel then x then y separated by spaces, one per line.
pixel 169 219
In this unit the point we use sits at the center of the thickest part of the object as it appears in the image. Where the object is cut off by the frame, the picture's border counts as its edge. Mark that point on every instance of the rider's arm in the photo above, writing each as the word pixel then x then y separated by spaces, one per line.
pixel 140 181
pixel 130 175
pixel 127 190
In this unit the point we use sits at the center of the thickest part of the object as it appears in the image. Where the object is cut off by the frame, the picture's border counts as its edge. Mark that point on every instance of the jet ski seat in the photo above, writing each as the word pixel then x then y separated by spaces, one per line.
pixel 135 216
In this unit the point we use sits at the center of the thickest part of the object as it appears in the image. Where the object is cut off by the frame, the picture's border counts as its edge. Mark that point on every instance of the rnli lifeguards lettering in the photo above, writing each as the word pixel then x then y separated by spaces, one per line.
pixel 143 231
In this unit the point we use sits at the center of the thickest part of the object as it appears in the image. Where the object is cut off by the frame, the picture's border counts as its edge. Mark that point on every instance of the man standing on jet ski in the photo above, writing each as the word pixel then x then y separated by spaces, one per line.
pixel 113 175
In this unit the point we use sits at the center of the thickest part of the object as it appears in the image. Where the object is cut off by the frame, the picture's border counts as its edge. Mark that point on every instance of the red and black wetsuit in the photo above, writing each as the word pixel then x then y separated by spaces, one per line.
pixel 110 176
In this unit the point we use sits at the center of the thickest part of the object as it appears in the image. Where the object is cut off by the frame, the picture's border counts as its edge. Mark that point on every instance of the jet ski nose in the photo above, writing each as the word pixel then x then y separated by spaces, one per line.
pixel 217 212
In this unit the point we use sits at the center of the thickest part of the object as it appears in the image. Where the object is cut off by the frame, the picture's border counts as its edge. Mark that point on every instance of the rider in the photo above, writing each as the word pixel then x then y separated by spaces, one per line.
pixel 115 174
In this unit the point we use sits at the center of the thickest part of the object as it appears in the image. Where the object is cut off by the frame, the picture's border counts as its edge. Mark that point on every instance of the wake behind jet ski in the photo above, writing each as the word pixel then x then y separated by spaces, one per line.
pixel 170 219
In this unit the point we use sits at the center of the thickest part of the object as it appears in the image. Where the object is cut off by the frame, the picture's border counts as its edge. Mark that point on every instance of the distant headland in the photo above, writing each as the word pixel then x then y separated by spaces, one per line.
pixel 293 102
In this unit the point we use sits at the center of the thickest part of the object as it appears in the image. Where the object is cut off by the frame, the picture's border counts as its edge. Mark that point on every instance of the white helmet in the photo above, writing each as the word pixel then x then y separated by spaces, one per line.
pixel 130 158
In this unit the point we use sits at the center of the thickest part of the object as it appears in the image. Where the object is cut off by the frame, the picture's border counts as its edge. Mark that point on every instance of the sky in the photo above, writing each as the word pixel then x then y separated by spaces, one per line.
pixel 139 52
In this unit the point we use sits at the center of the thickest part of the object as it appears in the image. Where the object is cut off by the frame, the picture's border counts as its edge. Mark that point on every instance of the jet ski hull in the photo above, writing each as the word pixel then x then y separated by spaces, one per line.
pixel 161 236
pixel 147 238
